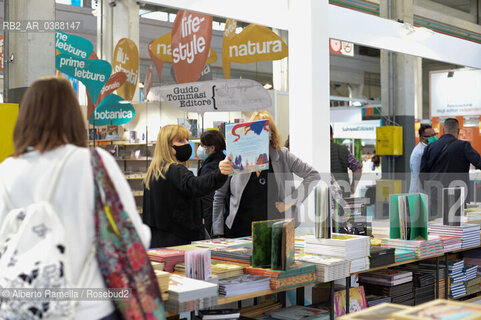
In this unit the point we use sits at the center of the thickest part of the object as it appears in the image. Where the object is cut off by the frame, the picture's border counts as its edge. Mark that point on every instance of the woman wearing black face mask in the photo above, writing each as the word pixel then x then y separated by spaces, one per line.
pixel 171 206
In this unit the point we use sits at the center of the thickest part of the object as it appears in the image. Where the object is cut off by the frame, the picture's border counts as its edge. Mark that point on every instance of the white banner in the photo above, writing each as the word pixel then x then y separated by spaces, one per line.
pixel 215 95
pixel 356 130
pixel 455 93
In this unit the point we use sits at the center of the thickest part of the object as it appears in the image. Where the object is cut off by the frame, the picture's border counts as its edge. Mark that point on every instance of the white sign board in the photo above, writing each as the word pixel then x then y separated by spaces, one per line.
pixel 455 93
pixel 215 95
pixel 356 130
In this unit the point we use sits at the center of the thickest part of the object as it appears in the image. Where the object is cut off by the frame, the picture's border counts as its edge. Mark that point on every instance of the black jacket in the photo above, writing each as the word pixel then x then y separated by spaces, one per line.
pixel 209 166
pixel 172 205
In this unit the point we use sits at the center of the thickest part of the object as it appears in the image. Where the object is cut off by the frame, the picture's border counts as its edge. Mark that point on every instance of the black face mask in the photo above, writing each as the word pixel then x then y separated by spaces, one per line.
pixel 183 152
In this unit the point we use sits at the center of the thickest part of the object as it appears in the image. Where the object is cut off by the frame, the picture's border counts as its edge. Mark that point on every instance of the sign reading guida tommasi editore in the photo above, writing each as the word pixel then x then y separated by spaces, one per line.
pixel 215 95
pixel 113 110
pixel 191 37
pixel 126 59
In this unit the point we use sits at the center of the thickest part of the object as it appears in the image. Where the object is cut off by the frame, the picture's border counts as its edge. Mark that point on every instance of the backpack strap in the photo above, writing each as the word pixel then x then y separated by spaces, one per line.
pixel 56 173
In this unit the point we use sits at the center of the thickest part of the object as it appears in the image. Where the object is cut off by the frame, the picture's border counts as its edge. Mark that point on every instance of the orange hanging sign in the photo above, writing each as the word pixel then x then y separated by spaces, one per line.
pixel 162 49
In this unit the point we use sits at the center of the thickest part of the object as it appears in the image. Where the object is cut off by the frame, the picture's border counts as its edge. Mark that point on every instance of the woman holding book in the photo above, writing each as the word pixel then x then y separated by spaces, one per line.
pixel 265 195
pixel 211 151
pixel 171 204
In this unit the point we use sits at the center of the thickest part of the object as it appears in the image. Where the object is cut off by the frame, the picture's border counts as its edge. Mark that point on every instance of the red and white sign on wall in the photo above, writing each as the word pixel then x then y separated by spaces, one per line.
pixel 191 38
pixel 341 47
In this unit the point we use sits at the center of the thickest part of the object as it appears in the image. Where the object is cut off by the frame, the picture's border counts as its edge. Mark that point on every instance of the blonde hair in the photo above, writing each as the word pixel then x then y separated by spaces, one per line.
pixel 163 155
pixel 274 137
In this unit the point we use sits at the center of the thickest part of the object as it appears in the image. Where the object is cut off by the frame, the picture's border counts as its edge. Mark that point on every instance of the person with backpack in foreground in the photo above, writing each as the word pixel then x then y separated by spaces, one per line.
pixel 67 217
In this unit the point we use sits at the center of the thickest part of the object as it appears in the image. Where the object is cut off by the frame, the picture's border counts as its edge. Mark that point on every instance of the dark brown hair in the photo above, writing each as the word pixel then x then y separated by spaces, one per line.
pixel 213 138
pixel 49 116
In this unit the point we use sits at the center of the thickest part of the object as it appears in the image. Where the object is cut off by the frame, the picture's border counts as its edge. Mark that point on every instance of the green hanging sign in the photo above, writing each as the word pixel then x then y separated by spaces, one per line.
pixel 112 110
pixel 93 73
pixel 73 45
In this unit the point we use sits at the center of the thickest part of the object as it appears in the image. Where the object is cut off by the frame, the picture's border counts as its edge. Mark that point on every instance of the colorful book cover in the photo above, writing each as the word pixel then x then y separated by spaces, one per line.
pixel 262 243
pixel 295 281
pixel 357 301
pixel 382 311
pixel 248 146
pixel 298 268
pixel 225 242
pixel 441 309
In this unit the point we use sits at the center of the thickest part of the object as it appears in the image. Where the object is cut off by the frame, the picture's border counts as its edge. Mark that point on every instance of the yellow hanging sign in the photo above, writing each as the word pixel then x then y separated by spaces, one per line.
pixel 126 59
pixel 229 34
pixel 255 43
pixel 8 116
pixel 162 49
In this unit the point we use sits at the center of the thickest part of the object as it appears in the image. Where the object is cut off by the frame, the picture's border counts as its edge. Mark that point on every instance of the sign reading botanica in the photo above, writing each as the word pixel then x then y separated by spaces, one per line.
pixel 113 110
pixel 215 95
pixel 191 37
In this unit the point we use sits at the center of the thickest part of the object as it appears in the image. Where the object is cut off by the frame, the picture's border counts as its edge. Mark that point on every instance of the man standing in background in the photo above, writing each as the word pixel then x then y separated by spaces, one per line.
pixel 426 135
pixel 341 160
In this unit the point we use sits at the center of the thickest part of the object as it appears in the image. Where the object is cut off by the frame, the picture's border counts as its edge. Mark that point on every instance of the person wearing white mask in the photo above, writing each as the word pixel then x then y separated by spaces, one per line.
pixel 211 151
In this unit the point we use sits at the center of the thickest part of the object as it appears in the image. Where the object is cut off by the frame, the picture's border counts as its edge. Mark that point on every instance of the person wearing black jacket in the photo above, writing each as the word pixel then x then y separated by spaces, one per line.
pixel 171 203
pixel 212 145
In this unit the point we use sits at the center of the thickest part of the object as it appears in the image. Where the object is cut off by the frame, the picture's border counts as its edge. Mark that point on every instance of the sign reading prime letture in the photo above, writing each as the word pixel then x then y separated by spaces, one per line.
pixel 191 38
pixel 126 59
pixel 73 45
pixel 215 95
pixel 112 110
pixel 92 73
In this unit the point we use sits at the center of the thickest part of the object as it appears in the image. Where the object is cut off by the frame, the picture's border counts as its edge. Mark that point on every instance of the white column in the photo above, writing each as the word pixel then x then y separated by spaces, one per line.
pixel 309 82
pixel 33 52
pixel 309 91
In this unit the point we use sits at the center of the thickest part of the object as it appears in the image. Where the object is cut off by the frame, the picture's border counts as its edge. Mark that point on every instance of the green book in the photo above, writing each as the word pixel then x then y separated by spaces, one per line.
pixel 408 216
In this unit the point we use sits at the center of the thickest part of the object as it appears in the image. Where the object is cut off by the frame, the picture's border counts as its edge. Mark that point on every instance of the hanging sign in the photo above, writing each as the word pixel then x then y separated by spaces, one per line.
pixel 73 45
pixel 126 59
pixel 191 38
pixel 115 81
pixel 162 49
pixel 229 34
pixel 147 81
pixel 255 43
pixel 159 64
pixel 113 110
pixel 92 73
pixel 215 95
pixel 341 47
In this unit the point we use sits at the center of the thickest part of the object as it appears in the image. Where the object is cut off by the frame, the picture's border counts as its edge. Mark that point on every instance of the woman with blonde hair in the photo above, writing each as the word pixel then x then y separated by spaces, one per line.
pixel 263 195
pixel 172 205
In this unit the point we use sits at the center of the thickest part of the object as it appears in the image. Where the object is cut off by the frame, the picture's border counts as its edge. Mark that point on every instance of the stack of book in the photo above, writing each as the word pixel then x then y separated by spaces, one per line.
pixel 471 271
pixel 423 248
pixel 240 255
pixel 219 268
pixel 423 287
pixel 169 257
pixel 220 243
pixel 394 283
pixel 157 265
pixel 381 257
pixel 451 243
pixel 431 269
pixel 298 274
pixel 473 285
pixel 350 247
pixel 244 284
pixel 163 279
pixel 218 314
pixel 189 294
pixel 468 232
pixel 374 300
pixel 457 276
pixel 298 312
pixel 328 268
pixel 404 255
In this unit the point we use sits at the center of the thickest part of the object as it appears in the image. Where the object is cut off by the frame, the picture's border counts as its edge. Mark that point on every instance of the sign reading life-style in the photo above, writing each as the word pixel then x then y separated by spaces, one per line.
pixel 126 59
pixel 113 110
pixel 191 38
pixel 73 45
pixel 215 95
pixel 92 73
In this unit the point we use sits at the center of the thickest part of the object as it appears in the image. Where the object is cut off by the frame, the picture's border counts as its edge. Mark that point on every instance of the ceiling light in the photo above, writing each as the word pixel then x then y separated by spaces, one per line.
pixel 267 86
pixel 357 103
